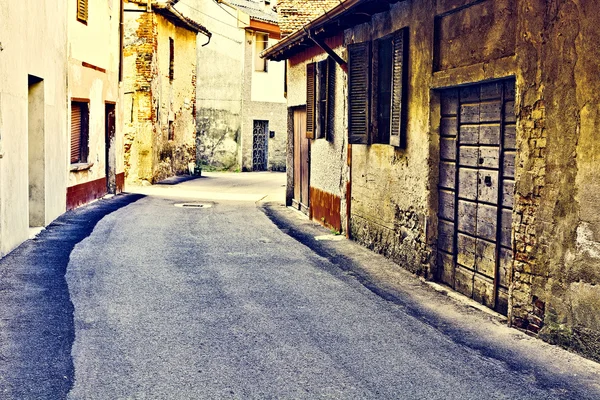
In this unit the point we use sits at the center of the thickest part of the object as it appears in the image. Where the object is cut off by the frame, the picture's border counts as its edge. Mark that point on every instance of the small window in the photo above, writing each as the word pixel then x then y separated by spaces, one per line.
pixel 171 131
pixel 320 99
pixel 82 11
pixel 261 43
pixel 79 132
pixel 171 59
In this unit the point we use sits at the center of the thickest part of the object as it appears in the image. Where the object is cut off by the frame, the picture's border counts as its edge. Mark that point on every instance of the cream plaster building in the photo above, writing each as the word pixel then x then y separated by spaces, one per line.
pixel 33 117
pixel 95 100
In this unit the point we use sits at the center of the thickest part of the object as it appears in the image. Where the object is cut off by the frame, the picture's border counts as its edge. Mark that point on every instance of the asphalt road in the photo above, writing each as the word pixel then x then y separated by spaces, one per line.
pixel 167 302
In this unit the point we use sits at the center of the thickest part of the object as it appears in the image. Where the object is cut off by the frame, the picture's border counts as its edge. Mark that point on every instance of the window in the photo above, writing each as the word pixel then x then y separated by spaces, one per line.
pixel 82 11
pixel 171 134
pixel 261 41
pixel 320 103
pixel 79 132
pixel 171 59
pixel 377 90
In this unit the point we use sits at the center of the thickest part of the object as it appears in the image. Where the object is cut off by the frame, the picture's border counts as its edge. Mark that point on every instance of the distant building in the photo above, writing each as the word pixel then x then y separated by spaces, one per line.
pixel 95 100
pixel 160 91
pixel 242 118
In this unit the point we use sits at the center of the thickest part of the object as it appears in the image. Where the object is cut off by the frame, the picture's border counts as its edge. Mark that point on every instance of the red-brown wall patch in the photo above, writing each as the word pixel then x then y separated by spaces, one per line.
pixel 325 208
pixel 84 193
pixel 120 182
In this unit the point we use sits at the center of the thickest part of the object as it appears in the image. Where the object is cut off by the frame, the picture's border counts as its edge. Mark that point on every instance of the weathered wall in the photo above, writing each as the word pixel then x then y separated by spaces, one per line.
pixel 390 190
pixel 262 99
pixel 175 101
pixel 328 159
pixel 97 45
pixel 557 229
pixel 219 84
pixel 33 36
pixel 154 101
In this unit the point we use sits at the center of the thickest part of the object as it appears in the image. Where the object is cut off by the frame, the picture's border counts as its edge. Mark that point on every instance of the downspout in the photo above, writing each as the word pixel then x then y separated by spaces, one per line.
pixel 321 43
pixel 121 39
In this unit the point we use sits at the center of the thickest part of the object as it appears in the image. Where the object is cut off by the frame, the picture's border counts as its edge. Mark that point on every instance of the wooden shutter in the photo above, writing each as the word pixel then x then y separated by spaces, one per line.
pixel 321 95
pixel 75 132
pixel 330 117
pixel 82 10
pixel 359 59
pixel 310 101
pixel 399 86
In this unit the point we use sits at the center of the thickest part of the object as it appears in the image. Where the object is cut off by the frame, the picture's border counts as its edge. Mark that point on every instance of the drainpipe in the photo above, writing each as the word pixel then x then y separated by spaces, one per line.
pixel 321 43
pixel 121 39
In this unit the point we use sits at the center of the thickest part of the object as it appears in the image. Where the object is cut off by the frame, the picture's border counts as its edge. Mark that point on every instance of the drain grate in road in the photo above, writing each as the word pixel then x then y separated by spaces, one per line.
pixel 193 205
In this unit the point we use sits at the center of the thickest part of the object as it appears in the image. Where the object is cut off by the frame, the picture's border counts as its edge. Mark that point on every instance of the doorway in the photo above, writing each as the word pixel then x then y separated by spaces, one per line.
pixel 110 164
pixel 36 145
pixel 301 162
pixel 260 149
pixel 476 190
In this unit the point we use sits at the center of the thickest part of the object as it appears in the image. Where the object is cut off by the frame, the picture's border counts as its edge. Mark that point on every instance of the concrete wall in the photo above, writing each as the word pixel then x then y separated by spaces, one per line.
pixel 262 99
pixel 153 101
pixel 219 79
pixel 33 38
pixel 94 53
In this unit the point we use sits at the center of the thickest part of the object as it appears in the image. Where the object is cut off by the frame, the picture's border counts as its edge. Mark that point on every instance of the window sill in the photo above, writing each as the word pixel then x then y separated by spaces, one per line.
pixel 81 167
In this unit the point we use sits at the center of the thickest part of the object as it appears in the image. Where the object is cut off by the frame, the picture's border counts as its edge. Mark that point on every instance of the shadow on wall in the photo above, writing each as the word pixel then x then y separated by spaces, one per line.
pixel 36 316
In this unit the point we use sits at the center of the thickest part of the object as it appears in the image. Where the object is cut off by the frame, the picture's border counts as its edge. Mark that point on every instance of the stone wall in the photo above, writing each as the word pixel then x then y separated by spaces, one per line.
pixel 556 278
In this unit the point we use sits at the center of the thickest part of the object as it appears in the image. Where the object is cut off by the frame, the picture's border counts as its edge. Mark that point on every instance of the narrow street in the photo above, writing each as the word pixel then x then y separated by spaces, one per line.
pixel 139 297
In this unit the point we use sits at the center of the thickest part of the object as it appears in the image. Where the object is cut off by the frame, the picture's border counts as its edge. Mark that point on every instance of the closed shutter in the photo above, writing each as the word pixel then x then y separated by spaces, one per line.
pixel 82 10
pixel 310 101
pixel 330 118
pixel 358 92
pixel 75 133
pixel 399 86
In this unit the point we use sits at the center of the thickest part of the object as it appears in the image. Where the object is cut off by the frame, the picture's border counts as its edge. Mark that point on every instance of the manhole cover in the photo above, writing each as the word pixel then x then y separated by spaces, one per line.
pixel 193 205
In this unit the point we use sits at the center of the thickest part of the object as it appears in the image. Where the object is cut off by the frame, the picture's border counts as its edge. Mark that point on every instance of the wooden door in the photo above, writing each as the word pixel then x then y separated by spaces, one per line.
pixel 476 191
pixel 110 165
pixel 301 162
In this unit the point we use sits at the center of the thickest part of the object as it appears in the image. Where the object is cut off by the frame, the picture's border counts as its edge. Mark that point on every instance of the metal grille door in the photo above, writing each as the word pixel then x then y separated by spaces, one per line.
pixel 259 146
pixel 477 158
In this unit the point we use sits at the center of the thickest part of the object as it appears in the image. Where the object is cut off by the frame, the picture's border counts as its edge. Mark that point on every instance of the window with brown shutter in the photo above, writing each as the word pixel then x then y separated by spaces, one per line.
pixel 359 63
pixel 82 11
pixel 330 119
pixel 310 101
pixel 399 88
pixel 79 132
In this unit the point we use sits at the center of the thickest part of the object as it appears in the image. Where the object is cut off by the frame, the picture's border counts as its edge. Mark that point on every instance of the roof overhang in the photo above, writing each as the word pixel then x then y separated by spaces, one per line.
pixel 347 14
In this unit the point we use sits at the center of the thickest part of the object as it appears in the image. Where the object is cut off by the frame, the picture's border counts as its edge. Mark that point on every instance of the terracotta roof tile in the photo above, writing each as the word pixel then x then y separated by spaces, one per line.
pixel 294 14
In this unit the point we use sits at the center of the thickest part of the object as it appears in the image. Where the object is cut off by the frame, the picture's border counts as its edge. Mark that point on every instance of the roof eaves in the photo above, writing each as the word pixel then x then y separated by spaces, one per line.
pixel 277 51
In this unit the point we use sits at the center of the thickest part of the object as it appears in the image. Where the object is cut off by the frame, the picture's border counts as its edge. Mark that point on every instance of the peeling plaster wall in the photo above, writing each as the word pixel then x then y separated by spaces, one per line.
pixel 33 35
pixel 328 165
pixel 96 43
pixel 156 100
pixel 390 188
pixel 556 278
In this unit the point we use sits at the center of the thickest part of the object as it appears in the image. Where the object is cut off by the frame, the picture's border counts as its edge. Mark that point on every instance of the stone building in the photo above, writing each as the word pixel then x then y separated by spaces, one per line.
pixel 241 119
pixel 95 97
pixel 33 118
pixel 160 90
pixel 459 138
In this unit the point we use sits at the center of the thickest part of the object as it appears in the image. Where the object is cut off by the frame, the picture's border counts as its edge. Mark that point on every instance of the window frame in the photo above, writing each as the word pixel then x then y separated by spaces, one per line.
pixel 320 99
pixel 263 61
pixel 83 133
pixel 82 11
pixel 365 94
